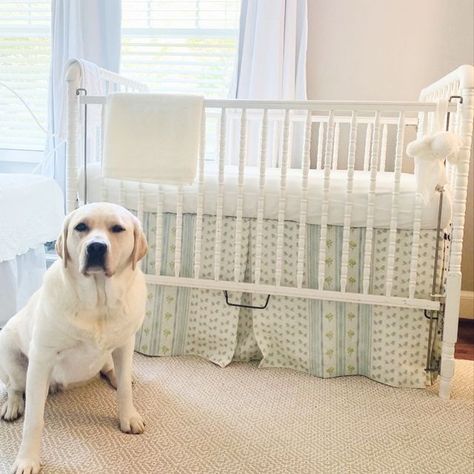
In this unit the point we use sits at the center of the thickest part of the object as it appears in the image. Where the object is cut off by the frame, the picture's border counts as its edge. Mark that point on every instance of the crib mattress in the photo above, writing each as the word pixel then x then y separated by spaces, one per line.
pixel 31 210
pixel 337 197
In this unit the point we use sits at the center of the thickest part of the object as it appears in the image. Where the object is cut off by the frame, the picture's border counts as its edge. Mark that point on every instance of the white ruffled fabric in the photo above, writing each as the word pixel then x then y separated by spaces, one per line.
pixel 31 213
pixel 19 279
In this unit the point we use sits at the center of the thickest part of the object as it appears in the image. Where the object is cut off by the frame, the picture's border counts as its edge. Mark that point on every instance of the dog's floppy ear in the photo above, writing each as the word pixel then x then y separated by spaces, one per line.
pixel 61 242
pixel 140 245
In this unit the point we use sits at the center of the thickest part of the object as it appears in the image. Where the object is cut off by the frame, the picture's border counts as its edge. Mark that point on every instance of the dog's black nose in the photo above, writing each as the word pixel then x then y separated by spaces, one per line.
pixel 96 249
pixel 96 254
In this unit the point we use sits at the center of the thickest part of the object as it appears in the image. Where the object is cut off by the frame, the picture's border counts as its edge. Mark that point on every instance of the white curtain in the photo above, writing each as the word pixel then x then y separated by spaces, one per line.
pixel 81 29
pixel 272 50
pixel 271 65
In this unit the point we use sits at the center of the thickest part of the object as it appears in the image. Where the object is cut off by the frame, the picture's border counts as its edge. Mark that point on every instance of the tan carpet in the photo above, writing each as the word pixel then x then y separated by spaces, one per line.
pixel 203 419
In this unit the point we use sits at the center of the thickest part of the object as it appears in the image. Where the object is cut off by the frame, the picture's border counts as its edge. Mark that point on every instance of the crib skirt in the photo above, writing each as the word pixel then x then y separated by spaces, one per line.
pixel 20 277
pixel 322 338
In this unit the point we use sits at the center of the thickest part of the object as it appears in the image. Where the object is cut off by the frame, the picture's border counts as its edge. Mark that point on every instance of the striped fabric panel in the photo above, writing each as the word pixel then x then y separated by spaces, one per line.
pixel 323 338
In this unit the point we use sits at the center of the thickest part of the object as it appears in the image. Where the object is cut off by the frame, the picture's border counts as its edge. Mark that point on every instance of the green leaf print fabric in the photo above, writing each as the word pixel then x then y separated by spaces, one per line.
pixel 329 339
pixel 322 338
pixel 188 321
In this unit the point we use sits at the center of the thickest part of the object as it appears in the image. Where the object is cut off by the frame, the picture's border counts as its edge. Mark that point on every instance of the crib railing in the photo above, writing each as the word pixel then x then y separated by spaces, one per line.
pixel 269 129
pixel 330 117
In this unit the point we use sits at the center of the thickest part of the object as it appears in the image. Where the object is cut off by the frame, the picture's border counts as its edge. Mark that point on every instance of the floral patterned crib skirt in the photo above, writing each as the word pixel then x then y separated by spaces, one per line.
pixel 322 338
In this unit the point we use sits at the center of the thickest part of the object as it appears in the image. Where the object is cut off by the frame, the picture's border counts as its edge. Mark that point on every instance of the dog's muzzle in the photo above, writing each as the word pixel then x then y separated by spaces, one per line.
pixel 96 253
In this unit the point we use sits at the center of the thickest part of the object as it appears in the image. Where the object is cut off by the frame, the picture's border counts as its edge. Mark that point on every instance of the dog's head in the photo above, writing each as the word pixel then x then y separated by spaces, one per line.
pixel 101 238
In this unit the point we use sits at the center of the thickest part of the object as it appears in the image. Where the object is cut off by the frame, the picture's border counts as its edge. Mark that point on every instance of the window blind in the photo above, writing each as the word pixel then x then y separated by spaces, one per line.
pixel 181 46
pixel 25 50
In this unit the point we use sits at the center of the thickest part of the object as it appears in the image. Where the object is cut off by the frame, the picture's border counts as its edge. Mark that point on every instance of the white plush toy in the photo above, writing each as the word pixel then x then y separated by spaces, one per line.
pixel 429 154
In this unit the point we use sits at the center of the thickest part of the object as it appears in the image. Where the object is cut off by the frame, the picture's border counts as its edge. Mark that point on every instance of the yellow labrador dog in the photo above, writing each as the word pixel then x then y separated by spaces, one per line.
pixel 82 321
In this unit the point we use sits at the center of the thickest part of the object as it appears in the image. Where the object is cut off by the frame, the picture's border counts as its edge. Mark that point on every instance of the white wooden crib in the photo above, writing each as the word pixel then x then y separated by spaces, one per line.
pixel 311 162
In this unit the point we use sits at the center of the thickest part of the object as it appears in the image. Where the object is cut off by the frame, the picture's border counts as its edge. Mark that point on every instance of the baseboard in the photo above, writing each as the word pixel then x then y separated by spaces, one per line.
pixel 467 305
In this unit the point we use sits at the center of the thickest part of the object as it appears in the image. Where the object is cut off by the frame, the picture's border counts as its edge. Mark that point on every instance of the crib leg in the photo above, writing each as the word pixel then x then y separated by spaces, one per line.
pixel 450 332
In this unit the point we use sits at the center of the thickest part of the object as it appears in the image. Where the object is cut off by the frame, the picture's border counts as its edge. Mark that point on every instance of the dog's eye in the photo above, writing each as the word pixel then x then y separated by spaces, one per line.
pixel 81 227
pixel 117 228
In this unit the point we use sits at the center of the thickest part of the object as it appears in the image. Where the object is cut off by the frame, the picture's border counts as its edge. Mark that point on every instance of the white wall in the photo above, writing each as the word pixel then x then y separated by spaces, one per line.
pixel 389 50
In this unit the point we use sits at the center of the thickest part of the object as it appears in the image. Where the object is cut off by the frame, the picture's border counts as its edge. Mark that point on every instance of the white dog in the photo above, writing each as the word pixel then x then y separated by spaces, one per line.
pixel 82 321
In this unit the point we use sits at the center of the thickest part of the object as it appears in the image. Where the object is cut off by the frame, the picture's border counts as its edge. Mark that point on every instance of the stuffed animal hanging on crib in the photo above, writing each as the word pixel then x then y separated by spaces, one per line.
pixel 429 154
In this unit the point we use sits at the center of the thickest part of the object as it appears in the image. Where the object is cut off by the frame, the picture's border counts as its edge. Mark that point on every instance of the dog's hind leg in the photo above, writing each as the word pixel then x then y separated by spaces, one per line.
pixel 108 372
pixel 13 367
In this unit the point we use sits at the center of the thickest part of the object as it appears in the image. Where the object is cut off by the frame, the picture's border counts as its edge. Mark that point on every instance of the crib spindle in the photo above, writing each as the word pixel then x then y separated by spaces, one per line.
pixel 304 203
pixel 261 197
pixel 335 155
pixel 368 135
pixel 369 231
pixel 454 127
pixel 140 207
pixel 415 246
pixel 432 122
pixel 274 158
pixel 159 231
pixel 104 192
pixel 282 199
pixel 179 232
pixel 319 154
pixel 240 196
pixel 72 162
pixel 140 202
pixel 122 197
pixel 325 203
pixel 348 203
pixel 395 204
pixel 200 203
pixel 383 148
pixel 220 197
pixel 422 125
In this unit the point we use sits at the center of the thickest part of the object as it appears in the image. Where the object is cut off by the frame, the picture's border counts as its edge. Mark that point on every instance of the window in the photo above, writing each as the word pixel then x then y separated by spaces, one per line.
pixel 25 49
pixel 183 46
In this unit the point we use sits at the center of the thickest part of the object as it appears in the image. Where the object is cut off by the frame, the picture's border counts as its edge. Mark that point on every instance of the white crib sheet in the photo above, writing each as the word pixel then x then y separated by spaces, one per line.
pixel 31 213
pixel 338 183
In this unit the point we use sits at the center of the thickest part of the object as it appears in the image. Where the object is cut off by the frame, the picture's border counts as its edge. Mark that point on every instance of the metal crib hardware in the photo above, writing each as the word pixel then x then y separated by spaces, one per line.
pixel 238 305
pixel 427 316
pixel 434 367
pixel 433 328
pixel 459 97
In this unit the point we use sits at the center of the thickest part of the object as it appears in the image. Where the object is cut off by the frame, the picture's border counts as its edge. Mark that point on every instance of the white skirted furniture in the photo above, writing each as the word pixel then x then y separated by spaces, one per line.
pixel 32 211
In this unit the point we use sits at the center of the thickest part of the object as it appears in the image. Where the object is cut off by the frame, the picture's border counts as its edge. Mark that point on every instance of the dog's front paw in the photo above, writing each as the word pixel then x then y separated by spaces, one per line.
pixel 133 423
pixel 26 466
pixel 13 408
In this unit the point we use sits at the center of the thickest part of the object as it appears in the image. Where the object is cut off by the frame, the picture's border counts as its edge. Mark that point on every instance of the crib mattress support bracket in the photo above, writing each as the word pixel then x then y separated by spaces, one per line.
pixel 460 99
pixel 433 365
pixel 239 305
